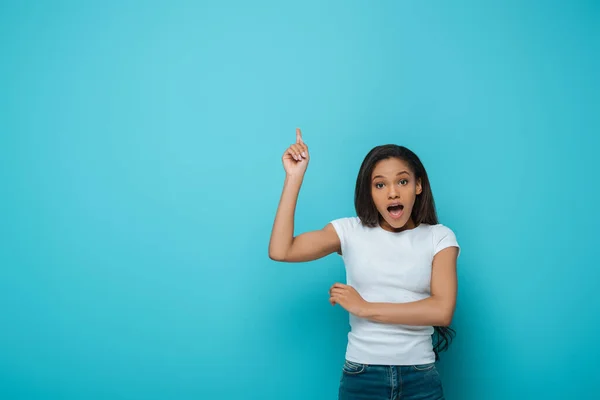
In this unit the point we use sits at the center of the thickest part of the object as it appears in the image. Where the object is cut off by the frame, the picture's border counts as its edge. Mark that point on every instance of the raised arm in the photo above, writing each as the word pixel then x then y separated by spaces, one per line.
pixel 284 246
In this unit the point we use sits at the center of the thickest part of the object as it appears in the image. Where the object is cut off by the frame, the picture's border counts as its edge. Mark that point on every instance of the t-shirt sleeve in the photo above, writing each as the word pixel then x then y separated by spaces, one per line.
pixel 344 228
pixel 443 237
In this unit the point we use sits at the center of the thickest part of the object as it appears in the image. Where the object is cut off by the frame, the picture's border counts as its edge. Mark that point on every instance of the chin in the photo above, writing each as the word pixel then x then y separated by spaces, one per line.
pixel 396 223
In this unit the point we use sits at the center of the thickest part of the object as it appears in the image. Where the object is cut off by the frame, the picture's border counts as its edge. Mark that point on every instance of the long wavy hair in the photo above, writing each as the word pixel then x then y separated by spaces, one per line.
pixel 423 210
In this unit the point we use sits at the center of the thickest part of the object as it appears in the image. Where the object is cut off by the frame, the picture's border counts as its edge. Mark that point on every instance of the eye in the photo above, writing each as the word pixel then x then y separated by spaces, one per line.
pixel 403 182
pixel 379 185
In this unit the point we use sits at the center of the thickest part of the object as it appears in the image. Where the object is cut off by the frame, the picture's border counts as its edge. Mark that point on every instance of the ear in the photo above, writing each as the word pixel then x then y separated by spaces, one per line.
pixel 419 187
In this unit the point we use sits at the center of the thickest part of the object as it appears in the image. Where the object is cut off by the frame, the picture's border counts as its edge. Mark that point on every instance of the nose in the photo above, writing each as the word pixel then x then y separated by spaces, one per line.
pixel 392 194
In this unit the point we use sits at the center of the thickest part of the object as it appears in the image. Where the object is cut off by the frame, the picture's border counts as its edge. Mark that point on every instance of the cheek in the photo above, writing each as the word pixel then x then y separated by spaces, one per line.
pixel 410 191
pixel 378 199
pixel 408 195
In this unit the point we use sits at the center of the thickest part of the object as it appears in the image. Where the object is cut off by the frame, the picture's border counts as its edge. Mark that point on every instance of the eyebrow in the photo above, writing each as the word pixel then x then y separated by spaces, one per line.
pixel 399 173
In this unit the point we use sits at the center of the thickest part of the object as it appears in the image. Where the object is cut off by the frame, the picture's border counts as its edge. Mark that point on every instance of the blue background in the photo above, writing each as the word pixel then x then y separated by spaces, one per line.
pixel 140 171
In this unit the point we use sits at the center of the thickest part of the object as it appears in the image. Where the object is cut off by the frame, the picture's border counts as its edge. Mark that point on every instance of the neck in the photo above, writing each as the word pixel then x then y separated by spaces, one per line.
pixel 386 226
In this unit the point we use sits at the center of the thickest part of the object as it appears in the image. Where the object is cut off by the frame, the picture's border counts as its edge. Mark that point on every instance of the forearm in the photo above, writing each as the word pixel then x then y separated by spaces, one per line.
pixel 431 311
pixel 282 234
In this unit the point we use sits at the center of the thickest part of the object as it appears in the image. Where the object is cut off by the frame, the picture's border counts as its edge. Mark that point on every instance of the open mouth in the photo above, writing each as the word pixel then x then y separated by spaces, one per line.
pixel 395 210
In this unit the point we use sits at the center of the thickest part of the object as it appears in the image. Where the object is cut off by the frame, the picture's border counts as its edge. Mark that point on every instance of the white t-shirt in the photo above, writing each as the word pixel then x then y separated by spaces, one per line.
pixel 390 267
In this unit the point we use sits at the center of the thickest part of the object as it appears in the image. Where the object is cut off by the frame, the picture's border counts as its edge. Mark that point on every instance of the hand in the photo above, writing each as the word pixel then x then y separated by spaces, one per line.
pixel 347 297
pixel 295 159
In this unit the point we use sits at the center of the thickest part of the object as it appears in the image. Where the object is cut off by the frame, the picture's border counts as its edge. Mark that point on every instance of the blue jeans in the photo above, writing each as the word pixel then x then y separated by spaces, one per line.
pixel 390 382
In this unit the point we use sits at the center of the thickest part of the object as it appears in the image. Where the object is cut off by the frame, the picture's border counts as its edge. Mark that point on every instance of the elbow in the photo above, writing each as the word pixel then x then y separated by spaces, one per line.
pixel 445 319
pixel 275 256
pixel 279 252
pixel 442 311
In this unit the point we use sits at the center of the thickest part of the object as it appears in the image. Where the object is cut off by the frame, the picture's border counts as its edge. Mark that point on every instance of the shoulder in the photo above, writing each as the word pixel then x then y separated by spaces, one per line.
pixel 440 230
pixel 346 222
pixel 442 237
pixel 345 227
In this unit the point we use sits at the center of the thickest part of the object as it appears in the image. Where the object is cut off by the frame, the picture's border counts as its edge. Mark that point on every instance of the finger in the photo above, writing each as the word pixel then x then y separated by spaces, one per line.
pixel 299 136
pixel 304 148
pixel 339 301
pixel 339 285
pixel 288 153
pixel 292 154
pixel 298 150
pixel 295 151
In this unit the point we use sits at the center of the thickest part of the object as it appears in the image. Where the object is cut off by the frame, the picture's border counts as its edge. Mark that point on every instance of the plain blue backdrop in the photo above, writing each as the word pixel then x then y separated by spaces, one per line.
pixel 140 170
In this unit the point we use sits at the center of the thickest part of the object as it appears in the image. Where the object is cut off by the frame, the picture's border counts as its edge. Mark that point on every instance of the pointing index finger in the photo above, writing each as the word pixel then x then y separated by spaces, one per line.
pixel 299 136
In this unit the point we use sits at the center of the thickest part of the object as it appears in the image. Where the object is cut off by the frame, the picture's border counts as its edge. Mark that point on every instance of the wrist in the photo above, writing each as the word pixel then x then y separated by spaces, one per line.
pixel 294 178
pixel 366 311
